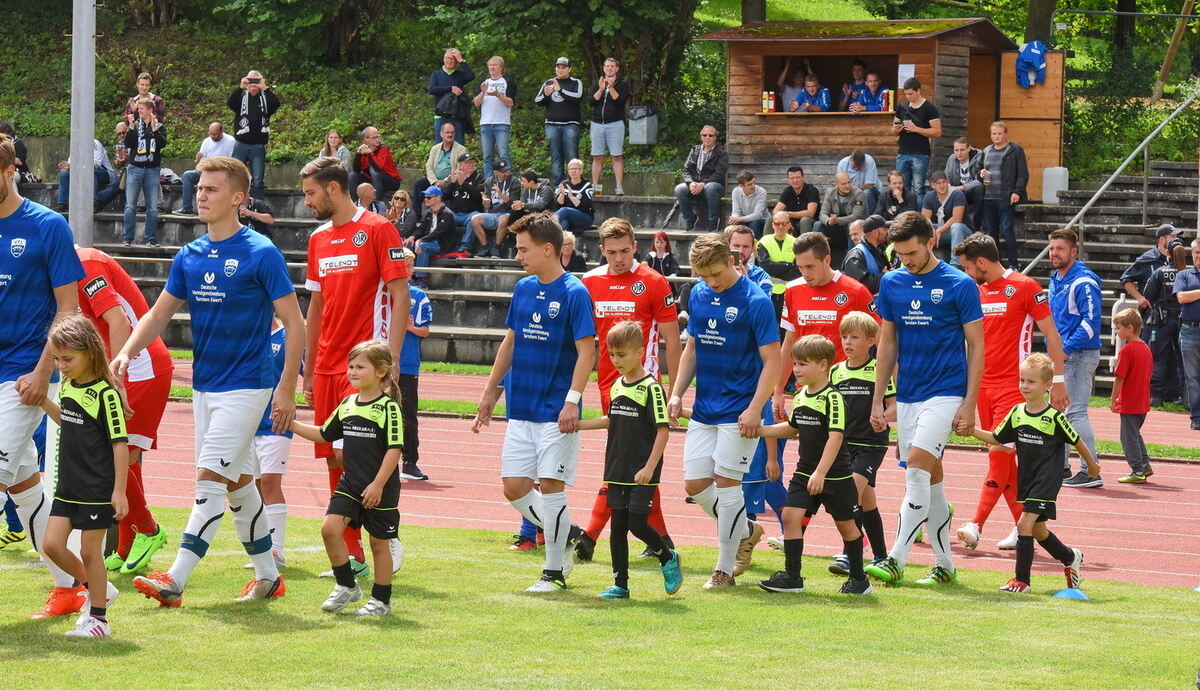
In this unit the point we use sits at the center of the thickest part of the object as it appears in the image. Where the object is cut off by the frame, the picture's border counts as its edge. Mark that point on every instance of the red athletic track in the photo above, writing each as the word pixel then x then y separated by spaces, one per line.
pixel 1145 534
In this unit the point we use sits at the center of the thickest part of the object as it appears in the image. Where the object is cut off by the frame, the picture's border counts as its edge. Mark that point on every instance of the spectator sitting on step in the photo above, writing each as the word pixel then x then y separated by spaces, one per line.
pixel 870 99
pixel 574 199
pixel 217 143
pixel 813 98
pixel 465 198
pixel 536 196
pixel 946 208
pixel 402 214
pixel 435 235
pixel 571 260
pixel 108 183
pixel 866 261
pixel 334 148
pixel 801 201
pixel 502 190
pixel 120 154
pixel 898 198
pixel 661 259
pixel 860 166
pixel 703 176
pixel 842 206
pixel 749 204
pixel 442 160
pixel 253 103
pixel 144 81
pixel 23 174
pixel 367 201
pixel 373 163
pixel 256 213
pixel 853 88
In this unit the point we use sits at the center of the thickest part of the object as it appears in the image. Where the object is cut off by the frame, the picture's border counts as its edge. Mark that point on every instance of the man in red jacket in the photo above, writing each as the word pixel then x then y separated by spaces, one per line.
pixel 373 163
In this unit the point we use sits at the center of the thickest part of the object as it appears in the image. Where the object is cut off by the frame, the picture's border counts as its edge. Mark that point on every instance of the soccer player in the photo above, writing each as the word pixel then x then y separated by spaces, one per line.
pixel 733 352
pixel 1039 431
pixel 232 280
pixel 270 457
pixel 1012 304
pixel 110 298
pixel 356 275
pixel 544 361
pixel 622 290
pixel 823 474
pixel 420 315
pixel 929 311
pixel 41 273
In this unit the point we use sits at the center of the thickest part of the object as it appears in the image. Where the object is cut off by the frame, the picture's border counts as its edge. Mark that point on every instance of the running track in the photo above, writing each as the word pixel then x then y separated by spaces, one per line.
pixel 1144 534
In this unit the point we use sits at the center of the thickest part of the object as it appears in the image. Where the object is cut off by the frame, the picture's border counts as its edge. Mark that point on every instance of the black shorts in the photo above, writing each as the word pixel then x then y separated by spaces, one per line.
pixel 636 498
pixel 380 522
pixel 1037 488
pixel 84 515
pixel 866 460
pixel 840 497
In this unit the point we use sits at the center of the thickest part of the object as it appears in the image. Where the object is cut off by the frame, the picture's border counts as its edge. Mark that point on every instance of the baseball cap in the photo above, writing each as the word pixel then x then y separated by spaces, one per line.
pixel 500 166
pixel 563 61
pixel 874 222
pixel 1166 229
pixel 433 191
pixel 465 157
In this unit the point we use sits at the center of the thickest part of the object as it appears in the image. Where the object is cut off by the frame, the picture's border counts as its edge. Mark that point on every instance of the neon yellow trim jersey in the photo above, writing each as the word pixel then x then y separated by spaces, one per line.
pixel 92 421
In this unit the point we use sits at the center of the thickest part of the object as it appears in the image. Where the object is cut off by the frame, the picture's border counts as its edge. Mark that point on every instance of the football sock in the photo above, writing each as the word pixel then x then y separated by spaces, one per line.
pixel 557 526
pixel 344 575
pixel 202 526
pixel 33 508
pixel 10 514
pixel 793 551
pixel 993 485
pixel 277 522
pixel 528 530
pixel 99 612
pixel 854 551
pixel 531 507
pixel 382 593
pixel 873 529
pixel 618 544
pixel 250 522
pixel 640 527
pixel 143 521
pixel 1024 557
pixel 600 514
pixel 655 519
pixel 914 512
pixel 707 499
pixel 939 526
pixel 732 527
pixel 1060 551
pixel 777 498
pixel 1010 496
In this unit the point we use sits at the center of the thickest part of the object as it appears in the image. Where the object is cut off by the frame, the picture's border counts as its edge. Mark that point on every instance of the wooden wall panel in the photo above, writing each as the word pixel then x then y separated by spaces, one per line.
pixel 1041 101
pixel 982 102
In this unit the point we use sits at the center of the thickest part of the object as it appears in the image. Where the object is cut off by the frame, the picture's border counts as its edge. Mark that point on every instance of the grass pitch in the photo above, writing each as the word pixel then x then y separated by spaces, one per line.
pixel 462 619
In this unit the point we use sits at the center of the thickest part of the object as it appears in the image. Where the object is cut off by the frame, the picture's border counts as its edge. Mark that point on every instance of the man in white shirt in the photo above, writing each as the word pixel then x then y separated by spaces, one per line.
pixel 217 143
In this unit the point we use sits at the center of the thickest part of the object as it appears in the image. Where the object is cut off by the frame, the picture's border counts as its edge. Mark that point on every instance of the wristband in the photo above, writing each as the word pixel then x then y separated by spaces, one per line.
pixel 574 396
pixel 1058 378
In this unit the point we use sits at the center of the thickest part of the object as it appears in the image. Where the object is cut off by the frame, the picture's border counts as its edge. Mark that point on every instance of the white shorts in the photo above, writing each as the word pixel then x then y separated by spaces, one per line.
pixel 271 454
pixel 926 424
pixel 538 450
pixel 225 426
pixel 18 455
pixel 610 136
pixel 716 450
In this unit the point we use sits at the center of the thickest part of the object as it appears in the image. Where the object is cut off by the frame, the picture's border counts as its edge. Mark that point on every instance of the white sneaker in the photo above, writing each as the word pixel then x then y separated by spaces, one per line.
pixel 397 550
pixel 968 535
pixel 1072 570
pixel 1008 543
pixel 775 543
pixel 374 607
pixel 546 584
pixel 618 191
pixel 90 626
pixel 340 597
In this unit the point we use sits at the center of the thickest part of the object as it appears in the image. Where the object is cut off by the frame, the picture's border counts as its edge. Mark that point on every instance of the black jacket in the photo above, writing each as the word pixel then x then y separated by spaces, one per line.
pixel 145 151
pixel 1142 267
pixel 257 119
pixel 889 209
pixel 439 227
pixel 855 265
pixel 465 196
pixel 606 108
pixel 1013 168
pixel 562 106
pixel 714 167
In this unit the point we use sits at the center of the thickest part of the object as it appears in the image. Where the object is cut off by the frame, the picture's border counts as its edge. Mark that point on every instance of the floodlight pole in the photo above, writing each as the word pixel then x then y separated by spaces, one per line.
pixel 83 119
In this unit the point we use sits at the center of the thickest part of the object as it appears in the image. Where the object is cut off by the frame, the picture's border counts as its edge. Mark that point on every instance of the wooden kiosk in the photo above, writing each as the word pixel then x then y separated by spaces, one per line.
pixel 966 67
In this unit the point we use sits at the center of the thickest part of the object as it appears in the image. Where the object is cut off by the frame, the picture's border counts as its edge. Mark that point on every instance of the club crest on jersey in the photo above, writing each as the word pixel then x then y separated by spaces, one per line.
pixel 359 239
pixel 230 267
pixel 731 314
pixel 915 304
pixel 841 298
pixel 1010 290
pixel 712 324
pixel 17 247
pixel 935 295
pixel 553 311
pixel 209 277
pixel 638 288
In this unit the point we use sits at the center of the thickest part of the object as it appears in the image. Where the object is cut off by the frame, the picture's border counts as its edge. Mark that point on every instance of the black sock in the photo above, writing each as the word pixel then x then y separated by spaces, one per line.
pixel 344 575
pixel 1060 551
pixel 854 551
pixel 382 593
pixel 872 523
pixel 793 551
pixel 618 546
pixel 642 530
pixel 98 612
pixel 1024 557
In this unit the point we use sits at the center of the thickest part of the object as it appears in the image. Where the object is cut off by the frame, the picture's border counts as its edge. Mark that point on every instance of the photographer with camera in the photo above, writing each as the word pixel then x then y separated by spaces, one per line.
pixel 253 103
pixel 560 97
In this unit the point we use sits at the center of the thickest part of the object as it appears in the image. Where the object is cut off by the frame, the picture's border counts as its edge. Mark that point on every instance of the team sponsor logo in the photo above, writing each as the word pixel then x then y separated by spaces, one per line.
pixel 95 285
pixel 553 311
pixel 614 308
pixel 669 300
pixel 336 264
pixel 712 324
pixel 915 304
pixel 638 288
pixel 841 299
pixel 731 314
pixel 995 308
pixel 1041 297
pixel 936 295
pixel 871 306
pixel 209 277
pixel 537 317
pixel 359 239
pixel 231 266
pixel 17 247
pixel 396 254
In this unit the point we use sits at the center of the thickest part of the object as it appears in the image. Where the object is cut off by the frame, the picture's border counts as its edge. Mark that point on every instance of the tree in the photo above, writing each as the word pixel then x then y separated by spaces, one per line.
pixel 1037 20
pixel 154 13
pixel 329 32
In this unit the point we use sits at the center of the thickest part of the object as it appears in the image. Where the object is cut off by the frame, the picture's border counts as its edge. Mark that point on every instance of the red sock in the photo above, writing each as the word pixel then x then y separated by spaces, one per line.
pixel 1000 464
pixel 600 514
pixel 655 518
pixel 1010 493
pixel 352 537
pixel 138 519
pixel 335 476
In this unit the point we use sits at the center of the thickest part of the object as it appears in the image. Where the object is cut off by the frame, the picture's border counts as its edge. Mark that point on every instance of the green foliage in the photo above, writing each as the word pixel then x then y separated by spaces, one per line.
pixel 330 32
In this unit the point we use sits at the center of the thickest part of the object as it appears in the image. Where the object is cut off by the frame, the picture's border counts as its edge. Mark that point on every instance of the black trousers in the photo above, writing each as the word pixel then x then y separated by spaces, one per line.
pixel 408 414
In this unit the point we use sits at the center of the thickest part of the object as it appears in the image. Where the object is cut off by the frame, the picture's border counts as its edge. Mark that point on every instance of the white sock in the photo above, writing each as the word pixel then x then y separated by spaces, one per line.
pixel 530 505
pixel 33 507
pixel 707 499
pixel 250 522
pixel 914 512
pixel 201 528
pixel 731 525
pixel 557 528
pixel 277 521
pixel 939 526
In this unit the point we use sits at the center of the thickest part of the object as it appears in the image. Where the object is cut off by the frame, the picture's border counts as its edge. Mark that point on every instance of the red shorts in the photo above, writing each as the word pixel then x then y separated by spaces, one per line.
pixel 994 404
pixel 328 391
pixel 148 399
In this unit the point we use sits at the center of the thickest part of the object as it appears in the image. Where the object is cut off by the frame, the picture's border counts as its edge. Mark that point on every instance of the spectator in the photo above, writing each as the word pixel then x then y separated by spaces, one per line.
pixel 866 262
pixel 120 152
pixel 464 197
pixel 256 213
pixel 1075 304
pixel 501 190
pixel 373 163
pixel 775 256
pixel 217 143
pixel 703 174
pixel 435 234
pixel 1187 292
pixel 800 200
pixel 366 200
pixel 334 148
pixel 852 89
pixel 870 99
pixel 108 183
pixel 253 104
pixel 813 98
pixel 842 206
pixel 452 78
pixel 791 82
pixel 1131 393
pixel 574 199
pixel 1133 280
pixel 1004 176
pixel 916 122
pixel 560 98
pixel 962 169
pixel 572 261
pixel 1162 325
pixel 945 208
pixel 860 166
pixel 495 102
pixel 144 140
pixel 144 82
pixel 442 160
pixel 608 123
pixel 402 214
pixel 749 204
pixel 661 259
pixel 898 198
pixel 23 174
pixel 536 196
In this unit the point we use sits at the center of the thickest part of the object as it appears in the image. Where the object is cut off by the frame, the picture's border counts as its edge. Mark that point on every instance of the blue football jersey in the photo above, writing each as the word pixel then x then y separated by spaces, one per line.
pixel 422 315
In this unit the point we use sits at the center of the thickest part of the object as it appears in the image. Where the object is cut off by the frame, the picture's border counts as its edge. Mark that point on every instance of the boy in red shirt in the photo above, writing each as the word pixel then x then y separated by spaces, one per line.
pixel 1131 393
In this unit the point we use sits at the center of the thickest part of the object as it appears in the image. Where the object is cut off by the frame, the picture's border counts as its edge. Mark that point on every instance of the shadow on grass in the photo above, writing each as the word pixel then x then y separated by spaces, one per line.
pixel 259 616
pixel 48 636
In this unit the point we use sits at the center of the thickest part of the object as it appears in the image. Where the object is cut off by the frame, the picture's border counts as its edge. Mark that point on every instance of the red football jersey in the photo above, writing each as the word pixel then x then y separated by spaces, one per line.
pixel 350 265
pixel 809 310
pixel 1011 305
pixel 107 285
pixel 641 295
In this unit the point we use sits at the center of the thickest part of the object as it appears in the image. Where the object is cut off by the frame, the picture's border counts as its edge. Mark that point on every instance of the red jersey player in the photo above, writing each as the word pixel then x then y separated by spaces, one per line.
pixel 109 297
pixel 814 304
pixel 356 273
pixel 1012 304
pixel 624 290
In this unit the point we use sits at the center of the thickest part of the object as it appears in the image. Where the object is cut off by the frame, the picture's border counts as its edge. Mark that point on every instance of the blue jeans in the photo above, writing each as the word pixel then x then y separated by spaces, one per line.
pixel 494 141
pixel 712 195
pixel 1080 371
pixel 255 158
pixel 564 145
pixel 950 239
pixel 838 237
pixel 188 202
pixel 463 220
pixel 460 129
pixel 106 187
pixel 428 249
pixel 756 226
pixel 998 222
pixel 144 181
pixel 913 167
pixel 573 219
pixel 1189 350
pixel 870 198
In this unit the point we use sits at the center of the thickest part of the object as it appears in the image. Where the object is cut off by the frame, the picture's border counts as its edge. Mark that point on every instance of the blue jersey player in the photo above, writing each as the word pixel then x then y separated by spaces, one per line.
pixel 271 454
pixel 544 362
pixel 232 280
